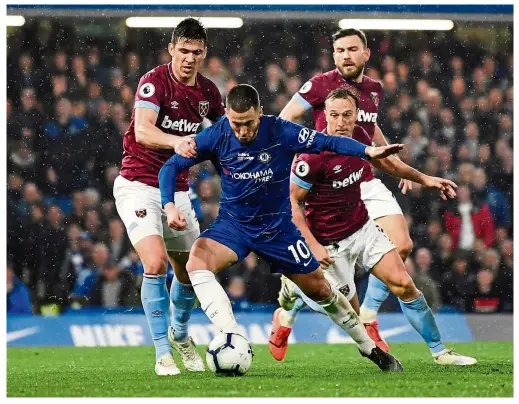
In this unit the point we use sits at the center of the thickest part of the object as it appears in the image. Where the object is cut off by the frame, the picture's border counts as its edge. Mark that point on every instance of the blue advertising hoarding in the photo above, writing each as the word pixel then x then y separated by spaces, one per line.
pixel 132 329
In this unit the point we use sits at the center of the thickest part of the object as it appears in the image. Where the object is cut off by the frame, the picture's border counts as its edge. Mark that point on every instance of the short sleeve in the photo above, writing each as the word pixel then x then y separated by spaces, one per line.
pixel 305 170
pixel 311 93
pixel 360 135
pixel 217 107
pixel 150 92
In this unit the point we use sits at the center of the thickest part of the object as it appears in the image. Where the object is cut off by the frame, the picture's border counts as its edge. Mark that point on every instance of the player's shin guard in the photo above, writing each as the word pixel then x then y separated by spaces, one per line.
pixel 155 301
pixel 340 311
pixel 420 316
pixel 213 300
pixel 183 298
pixel 376 293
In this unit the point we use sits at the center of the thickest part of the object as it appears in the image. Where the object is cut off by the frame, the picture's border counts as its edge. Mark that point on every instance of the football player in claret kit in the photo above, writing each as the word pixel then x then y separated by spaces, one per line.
pixel 339 232
pixel 253 154
pixel 170 104
pixel 351 53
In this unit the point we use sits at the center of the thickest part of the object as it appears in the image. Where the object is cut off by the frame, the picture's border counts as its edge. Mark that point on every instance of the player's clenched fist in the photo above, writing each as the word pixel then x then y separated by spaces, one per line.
pixel 176 219
pixel 187 147
pixel 381 152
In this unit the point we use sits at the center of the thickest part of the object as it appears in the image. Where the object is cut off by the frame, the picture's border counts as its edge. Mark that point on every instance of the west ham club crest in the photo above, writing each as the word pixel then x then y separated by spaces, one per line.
pixel 374 97
pixel 203 108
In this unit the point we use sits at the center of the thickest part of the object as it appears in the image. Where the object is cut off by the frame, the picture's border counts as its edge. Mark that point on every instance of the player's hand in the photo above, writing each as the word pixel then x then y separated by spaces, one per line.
pixel 321 254
pixel 381 152
pixel 405 185
pixel 187 148
pixel 446 187
pixel 176 219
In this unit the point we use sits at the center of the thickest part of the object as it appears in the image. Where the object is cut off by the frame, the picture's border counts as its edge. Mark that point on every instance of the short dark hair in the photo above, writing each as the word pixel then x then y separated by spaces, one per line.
pixel 242 97
pixel 344 93
pixel 351 32
pixel 189 29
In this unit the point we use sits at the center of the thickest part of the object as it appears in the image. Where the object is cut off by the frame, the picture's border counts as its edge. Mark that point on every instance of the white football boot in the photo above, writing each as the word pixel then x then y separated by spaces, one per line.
pixel 286 296
pixel 449 357
pixel 190 358
pixel 166 366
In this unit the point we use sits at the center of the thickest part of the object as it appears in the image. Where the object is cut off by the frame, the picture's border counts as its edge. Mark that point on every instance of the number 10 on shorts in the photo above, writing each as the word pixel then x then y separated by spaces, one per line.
pixel 300 250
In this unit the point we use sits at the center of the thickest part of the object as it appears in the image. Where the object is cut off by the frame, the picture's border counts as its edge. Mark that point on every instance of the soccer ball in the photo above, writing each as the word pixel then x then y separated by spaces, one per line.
pixel 229 355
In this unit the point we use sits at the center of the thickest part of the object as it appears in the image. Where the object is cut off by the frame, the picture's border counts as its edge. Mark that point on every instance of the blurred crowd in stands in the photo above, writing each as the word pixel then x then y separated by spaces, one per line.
pixel 69 101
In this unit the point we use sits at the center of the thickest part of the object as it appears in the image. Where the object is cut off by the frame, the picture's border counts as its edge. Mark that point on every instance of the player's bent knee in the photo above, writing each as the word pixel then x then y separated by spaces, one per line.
pixel 404 247
pixel 156 265
pixel 320 291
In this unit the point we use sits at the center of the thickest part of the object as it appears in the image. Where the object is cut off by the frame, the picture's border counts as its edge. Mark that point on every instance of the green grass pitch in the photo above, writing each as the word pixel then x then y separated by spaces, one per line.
pixel 310 370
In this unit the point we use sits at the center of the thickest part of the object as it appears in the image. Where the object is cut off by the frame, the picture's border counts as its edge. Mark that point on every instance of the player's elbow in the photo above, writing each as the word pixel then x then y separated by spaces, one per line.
pixel 140 134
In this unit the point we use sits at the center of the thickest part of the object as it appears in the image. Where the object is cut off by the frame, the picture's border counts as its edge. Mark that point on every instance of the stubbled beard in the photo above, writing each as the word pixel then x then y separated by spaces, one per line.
pixel 354 75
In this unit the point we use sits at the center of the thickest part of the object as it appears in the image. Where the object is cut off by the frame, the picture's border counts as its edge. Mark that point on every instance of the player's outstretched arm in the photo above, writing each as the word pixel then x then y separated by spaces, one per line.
pixel 397 168
pixel 293 111
pixel 303 140
pixel 380 140
pixel 148 134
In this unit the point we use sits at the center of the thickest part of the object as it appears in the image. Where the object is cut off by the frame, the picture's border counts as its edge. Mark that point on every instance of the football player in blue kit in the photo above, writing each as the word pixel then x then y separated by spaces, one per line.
pixel 253 155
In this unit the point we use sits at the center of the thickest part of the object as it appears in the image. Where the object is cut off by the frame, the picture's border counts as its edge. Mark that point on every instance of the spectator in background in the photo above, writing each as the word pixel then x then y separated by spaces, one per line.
pixel 490 196
pixel 444 255
pixel 18 296
pixel 79 79
pixel 216 72
pixel 425 284
pixel 486 296
pixel 95 69
pixel 416 143
pixel 53 244
pixel 505 276
pixel 467 219
pixel 457 284
pixel 236 290
pixel 132 68
pixel 87 278
pixel 65 124
pixel 114 287
pixel 117 242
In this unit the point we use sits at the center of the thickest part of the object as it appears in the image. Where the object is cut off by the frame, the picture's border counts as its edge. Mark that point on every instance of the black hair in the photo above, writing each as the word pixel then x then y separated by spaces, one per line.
pixel 189 29
pixel 344 93
pixel 351 32
pixel 242 97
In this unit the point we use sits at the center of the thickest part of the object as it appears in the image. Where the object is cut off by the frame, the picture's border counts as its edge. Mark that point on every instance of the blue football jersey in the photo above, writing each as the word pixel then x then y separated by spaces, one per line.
pixel 255 177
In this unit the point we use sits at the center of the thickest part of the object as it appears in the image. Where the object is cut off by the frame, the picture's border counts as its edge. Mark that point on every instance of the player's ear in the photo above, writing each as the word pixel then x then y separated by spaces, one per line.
pixel 205 52
pixel 171 49
pixel 367 54
pixel 260 111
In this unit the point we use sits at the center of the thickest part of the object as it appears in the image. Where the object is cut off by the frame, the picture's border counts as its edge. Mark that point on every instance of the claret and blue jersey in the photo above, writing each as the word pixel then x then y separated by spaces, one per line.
pixel 255 212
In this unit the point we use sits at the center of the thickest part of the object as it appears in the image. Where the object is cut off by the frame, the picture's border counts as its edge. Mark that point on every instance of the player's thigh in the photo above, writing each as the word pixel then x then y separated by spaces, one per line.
pixel 178 262
pixel 141 213
pixel 391 270
pixel 211 255
pixel 313 284
pixel 341 274
pixel 179 242
pixel 220 246
pixel 396 228
pixel 383 207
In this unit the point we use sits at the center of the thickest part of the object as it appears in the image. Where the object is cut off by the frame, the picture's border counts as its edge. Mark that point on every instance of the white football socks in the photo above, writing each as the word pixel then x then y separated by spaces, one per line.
pixel 340 311
pixel 214 301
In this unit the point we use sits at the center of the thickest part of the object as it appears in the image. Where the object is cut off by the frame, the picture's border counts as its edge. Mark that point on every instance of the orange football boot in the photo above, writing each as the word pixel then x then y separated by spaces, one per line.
pixel 278 341
pixel 372 329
